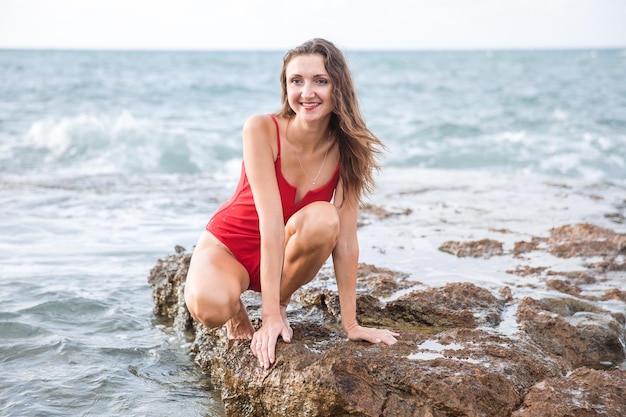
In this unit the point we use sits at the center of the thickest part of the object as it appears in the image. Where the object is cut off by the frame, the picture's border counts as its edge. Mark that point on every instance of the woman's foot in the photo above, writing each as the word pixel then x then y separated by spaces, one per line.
pixel 239 326
pixel 283 314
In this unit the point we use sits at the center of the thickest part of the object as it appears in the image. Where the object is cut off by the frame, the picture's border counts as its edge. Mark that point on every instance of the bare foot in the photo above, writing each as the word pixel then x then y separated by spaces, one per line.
pixel 283 314
pixel 239 326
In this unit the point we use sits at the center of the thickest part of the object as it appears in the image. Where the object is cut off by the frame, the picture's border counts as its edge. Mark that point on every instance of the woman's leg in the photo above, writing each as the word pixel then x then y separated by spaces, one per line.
pixel 215 281
pixel 310 237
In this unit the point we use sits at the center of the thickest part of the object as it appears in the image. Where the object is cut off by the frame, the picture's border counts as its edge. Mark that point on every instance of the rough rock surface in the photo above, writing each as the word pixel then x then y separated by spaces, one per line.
pixel 463 351
pixel 584 393
pixel 485 248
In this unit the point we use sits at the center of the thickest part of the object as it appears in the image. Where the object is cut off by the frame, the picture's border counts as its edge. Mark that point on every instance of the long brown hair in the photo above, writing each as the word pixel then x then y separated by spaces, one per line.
pixel 359 148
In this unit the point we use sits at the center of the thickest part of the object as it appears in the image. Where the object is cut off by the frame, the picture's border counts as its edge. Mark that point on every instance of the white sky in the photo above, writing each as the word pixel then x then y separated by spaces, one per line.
pixel 280 24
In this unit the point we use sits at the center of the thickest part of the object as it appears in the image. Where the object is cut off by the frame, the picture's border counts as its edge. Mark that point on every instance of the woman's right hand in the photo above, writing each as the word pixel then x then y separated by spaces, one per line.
pixel 264 340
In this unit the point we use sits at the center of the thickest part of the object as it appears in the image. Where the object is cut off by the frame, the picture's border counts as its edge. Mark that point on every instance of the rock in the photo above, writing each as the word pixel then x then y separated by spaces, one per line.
pixel 563 356
pixel 381 282
pixel 485 248
pixel 460 372
pixel 574 330
pixel 580 240
pixel 165 279
pixel 584 393
pixel 585 240
pixel 382 212
pixel 525 247
pixel 615 294
pixel 454 305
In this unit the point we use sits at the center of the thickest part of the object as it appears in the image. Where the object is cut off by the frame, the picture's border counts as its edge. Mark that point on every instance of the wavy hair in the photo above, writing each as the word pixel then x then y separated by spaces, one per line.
pixel 359 148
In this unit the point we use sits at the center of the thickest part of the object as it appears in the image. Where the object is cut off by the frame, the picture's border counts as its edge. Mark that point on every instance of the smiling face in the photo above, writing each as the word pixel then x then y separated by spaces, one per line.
pixel 309 88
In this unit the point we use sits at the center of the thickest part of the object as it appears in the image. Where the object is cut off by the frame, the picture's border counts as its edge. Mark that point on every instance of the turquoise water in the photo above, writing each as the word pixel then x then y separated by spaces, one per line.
pixel 110 159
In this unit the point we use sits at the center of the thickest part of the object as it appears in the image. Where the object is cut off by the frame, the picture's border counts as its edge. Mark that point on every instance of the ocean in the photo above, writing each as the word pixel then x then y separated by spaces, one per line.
pixel 108 160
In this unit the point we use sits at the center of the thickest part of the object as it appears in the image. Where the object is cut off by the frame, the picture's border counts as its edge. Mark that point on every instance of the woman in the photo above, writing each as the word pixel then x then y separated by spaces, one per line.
pixel 279 227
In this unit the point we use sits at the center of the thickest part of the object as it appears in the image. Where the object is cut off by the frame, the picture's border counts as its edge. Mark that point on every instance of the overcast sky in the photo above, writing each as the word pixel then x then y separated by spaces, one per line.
pixel 280 24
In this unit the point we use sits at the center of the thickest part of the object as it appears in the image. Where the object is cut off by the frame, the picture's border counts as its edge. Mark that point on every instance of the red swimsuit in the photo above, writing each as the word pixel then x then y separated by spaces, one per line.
pixel 236 223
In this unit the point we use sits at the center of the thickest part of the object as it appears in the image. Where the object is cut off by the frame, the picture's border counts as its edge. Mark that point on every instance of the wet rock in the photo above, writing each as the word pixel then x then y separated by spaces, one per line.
pixel 525 247
pixel 165 279
pixel 369 212
pixel 454 305
pixel 584 393
pixel 586 240
pixel 576 331
pixel 564 287
pixel 526 270
pixel 382 212
pixel 575 277
pixel 615 294
pixel 581 240
pixel 459 372
pixel 381 282
pixel 463 351
pixel 485 248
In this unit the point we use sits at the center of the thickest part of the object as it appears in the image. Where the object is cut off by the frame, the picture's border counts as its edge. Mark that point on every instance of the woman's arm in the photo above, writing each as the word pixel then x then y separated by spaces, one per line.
pixel 259 153
pixel 345 260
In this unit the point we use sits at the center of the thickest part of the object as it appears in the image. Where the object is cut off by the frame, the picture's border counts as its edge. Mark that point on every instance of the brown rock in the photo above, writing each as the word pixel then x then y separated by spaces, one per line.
pixel 564 287
pixel 577 277
pixel 451 358
pixel 615 294
pixel 480 374
pixel 586 240
pixel 574 330
pixel 523 271
pixel 584 393
pixel 165 279
pixel 454 305
pixel 525 247
pixel 379 211
pixel 485 248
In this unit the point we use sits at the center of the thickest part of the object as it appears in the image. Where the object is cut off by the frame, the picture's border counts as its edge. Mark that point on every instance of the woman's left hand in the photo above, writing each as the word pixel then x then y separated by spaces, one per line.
pixel 372 335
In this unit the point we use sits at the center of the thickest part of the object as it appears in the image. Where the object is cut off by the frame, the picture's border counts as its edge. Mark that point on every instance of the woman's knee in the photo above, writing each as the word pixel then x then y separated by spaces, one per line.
pixel 211 308
pixel 320 222
pixel 210 303
pixel 215 281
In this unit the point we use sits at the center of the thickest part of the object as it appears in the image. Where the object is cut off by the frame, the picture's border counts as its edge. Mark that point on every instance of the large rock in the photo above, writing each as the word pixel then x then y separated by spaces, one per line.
pixel 584 393
pixel 463 351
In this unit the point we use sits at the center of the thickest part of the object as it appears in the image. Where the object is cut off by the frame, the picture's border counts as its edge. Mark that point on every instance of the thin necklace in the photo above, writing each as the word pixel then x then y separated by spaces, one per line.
pixel 319 171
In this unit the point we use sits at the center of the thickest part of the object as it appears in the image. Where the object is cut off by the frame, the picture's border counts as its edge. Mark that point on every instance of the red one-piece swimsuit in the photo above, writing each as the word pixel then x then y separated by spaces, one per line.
pixel 236 222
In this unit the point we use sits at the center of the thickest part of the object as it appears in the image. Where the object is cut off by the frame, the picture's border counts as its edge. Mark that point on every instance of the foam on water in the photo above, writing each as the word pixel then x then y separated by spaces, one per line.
pixel 554 113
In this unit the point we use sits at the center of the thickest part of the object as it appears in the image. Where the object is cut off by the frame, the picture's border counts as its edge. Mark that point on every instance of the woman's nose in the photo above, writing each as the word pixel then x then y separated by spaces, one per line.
pixel 307 90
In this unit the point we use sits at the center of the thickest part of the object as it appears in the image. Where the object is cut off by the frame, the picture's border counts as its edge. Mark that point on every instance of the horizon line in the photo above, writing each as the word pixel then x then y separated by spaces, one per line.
pixel 274 50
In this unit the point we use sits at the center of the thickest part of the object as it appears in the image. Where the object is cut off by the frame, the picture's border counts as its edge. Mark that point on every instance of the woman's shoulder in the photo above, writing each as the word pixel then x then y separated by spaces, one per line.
pixel 260 121
pixel 261 129
pixel 262 124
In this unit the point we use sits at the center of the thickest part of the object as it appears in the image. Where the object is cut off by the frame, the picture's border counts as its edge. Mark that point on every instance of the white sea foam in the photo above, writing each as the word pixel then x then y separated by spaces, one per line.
pixel 91 144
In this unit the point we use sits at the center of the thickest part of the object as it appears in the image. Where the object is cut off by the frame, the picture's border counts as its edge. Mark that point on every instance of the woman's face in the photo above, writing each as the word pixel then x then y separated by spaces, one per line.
pixel 309 88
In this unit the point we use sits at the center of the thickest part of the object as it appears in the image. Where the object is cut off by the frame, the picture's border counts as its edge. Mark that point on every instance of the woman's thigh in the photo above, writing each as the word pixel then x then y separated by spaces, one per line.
pixel 310 237
pixel 215 279
pixel 315 225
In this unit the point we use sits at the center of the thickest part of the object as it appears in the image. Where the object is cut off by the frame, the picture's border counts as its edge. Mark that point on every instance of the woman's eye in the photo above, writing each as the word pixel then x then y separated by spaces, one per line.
pixel 296 81
pixel 322 81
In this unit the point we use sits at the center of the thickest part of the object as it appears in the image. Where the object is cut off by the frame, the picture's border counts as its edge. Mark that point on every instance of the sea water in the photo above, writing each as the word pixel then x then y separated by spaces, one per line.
pixel 110 159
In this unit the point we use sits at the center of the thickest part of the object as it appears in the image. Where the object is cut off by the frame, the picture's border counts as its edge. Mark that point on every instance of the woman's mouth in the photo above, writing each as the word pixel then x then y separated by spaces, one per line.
pixel 309 106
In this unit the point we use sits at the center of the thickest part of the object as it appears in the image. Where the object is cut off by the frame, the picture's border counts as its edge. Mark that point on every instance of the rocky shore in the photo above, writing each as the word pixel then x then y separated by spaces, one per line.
pixel 464 350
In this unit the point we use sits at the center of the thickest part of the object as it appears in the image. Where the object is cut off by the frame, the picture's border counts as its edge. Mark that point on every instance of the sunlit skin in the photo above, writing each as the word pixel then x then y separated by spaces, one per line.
pixel 291 254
